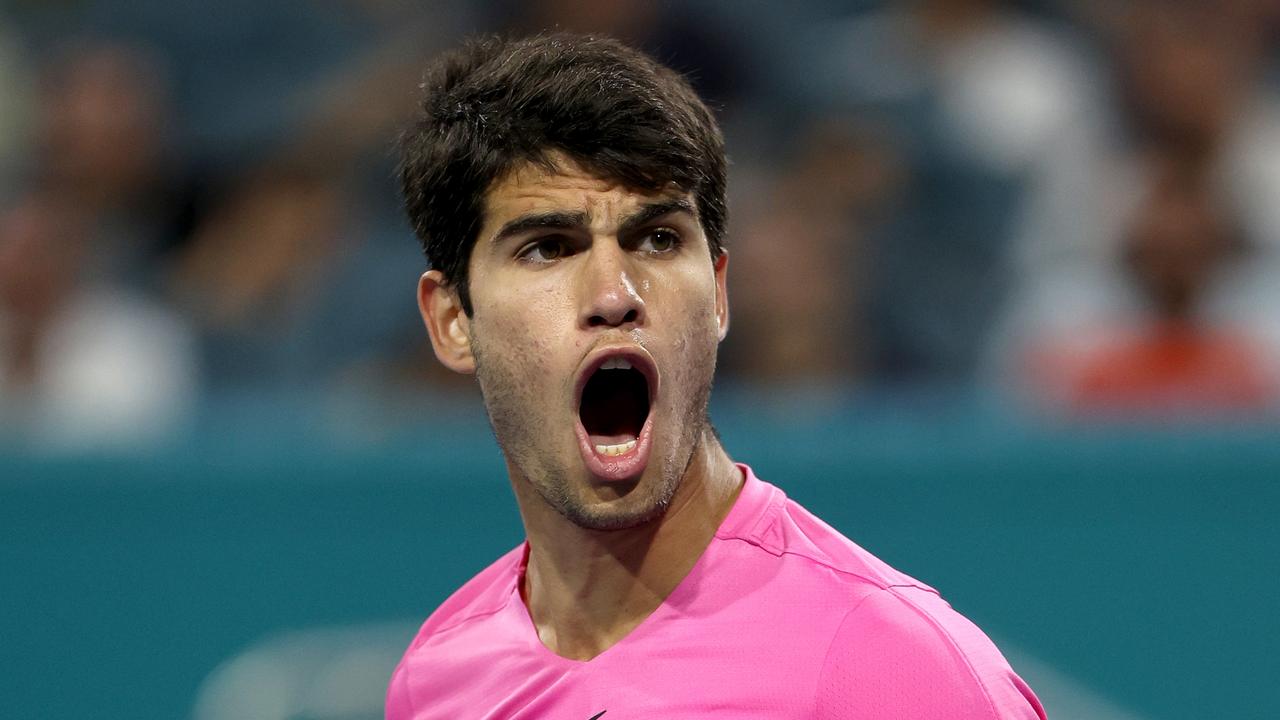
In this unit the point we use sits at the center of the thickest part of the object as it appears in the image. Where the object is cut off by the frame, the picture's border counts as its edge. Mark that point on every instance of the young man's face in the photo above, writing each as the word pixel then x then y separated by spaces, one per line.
pixel 597 314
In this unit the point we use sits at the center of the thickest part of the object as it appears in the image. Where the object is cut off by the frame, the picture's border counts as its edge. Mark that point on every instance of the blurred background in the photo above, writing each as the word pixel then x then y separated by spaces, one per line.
pixel 1006 310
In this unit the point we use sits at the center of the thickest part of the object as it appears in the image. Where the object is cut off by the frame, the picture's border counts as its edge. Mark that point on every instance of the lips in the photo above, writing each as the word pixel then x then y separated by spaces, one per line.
pixel 614 397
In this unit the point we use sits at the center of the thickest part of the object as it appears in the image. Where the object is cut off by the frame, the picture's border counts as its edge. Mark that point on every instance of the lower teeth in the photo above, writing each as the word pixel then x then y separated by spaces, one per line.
pixel 616 449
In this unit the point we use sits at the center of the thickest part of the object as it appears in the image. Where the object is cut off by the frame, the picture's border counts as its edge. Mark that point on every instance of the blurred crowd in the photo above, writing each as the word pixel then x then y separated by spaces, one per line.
pixel 1071 204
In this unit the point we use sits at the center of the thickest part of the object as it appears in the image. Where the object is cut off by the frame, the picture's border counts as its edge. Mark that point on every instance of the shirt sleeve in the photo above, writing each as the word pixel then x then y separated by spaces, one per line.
pixel 398 705
pixel 903 652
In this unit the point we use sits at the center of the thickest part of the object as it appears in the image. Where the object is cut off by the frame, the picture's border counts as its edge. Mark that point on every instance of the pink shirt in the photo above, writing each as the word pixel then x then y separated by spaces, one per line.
pixel 781 617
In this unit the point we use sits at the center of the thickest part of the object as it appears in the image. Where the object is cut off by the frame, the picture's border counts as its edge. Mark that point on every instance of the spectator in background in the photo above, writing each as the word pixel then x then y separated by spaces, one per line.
pixel 84 362
pixel 87 356
pixel 294 273
pixel 703 48
pixel 989 114
pixel 102 144
pixel 1167 354
pixel 1170 302
pixel 280 114
pixel 254 267
pixel 1192 74
pixel 799 259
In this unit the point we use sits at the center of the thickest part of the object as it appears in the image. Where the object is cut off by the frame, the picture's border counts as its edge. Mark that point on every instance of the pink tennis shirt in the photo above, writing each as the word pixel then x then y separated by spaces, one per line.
pixel 781 617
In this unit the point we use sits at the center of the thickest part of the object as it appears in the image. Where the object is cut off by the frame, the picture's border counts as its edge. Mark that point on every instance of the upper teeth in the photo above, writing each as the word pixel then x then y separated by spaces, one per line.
pixel 616 363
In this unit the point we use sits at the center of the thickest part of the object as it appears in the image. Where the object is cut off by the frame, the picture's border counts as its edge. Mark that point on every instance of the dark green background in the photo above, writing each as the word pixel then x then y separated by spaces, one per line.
pixel 1143 563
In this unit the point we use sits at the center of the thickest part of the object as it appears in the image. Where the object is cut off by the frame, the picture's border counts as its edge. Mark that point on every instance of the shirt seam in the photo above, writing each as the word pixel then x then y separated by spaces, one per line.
pixel 473 614
pixel 955 646
pixel 401 674
pixel 951 642
pixel 772 508
pixel 469 618
pixel 879 584
pixel 826 656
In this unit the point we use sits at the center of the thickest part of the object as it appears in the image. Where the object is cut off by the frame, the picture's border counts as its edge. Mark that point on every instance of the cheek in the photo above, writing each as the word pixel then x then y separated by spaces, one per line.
pixel 527 332
pixel 514 344
pixel 694 331
pixel 692 307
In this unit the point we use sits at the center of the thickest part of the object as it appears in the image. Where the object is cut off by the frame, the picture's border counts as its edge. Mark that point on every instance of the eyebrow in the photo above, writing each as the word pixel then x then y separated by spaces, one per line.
pixel 652 211
pixel 539 221
pixel 560 220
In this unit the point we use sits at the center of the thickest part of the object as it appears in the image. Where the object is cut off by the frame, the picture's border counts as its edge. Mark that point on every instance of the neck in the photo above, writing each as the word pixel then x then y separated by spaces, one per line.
pixel 586 589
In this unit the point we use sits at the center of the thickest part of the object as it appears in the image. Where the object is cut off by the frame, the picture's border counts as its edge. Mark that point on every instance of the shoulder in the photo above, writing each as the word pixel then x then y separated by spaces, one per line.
pixel 484 594
pixel 895 647
pixel 480 597
pixel 783 528
pixel 903 652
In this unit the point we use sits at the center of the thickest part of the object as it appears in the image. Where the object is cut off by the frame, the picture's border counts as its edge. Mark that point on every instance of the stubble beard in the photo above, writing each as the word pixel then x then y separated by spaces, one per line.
pixel 511 406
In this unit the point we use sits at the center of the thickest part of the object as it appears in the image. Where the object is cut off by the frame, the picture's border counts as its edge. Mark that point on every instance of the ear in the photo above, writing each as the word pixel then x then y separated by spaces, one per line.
pixel 722 293
pixel 448 326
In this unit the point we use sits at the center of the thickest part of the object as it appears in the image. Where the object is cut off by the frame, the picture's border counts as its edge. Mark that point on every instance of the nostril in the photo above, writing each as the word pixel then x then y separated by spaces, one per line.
pixel 630 316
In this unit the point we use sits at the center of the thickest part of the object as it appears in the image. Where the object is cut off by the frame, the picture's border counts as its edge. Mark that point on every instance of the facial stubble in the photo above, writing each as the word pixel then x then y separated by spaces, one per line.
pixel 529 441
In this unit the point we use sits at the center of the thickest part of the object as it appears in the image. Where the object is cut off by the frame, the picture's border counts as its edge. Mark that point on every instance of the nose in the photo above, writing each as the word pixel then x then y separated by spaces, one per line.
pixel 608 289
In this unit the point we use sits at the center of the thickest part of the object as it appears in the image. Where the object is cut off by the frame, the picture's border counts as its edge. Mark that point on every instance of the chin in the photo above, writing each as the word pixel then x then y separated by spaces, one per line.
pixel 635 503
pixel 602 516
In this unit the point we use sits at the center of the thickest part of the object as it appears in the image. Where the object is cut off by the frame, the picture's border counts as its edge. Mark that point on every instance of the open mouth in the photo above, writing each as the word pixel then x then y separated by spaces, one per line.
pixel 614 407
pixel 616 396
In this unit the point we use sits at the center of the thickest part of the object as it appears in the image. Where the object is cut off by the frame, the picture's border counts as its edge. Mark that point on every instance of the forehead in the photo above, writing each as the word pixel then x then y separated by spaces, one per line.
pixel 564 186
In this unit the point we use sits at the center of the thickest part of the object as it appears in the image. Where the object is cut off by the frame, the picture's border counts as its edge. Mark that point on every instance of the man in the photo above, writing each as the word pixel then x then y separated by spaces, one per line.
pixel 569 193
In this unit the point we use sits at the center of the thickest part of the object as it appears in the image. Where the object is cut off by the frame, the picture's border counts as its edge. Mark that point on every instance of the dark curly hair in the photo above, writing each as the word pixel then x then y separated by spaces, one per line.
pixel 496 103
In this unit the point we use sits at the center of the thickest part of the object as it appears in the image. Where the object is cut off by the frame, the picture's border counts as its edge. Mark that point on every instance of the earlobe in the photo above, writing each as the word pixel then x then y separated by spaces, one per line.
pixel 447 324
pixel 722 292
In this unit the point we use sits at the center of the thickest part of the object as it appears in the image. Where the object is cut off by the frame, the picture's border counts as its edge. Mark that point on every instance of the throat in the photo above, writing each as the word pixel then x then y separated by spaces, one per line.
pixel 581 630
pixel 587 590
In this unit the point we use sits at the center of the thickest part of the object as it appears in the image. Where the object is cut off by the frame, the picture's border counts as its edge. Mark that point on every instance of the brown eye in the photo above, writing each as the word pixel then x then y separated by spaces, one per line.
pixel 660 241
pixel 544 250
